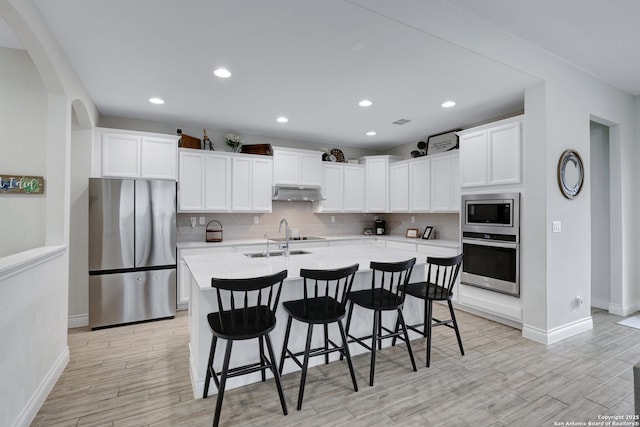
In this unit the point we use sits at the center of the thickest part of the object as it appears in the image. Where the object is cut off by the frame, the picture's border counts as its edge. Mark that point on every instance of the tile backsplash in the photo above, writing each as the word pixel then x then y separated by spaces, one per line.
pixel 300 216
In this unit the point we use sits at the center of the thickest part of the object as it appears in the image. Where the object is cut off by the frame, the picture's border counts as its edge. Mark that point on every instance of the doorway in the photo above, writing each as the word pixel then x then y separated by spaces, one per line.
pixel 600 217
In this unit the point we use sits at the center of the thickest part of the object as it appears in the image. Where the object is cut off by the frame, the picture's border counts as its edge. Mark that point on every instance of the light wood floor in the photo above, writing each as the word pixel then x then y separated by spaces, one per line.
pixel 138 375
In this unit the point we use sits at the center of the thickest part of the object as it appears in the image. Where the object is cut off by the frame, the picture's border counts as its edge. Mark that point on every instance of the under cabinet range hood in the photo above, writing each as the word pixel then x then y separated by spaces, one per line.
pixel 297 194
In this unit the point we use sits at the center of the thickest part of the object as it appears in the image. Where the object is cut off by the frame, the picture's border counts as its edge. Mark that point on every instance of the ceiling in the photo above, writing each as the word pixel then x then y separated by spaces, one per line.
pixel 313 61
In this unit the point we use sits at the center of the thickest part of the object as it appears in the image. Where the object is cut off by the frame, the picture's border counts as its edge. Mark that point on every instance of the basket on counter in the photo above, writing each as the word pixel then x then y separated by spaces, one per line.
pixel 214 231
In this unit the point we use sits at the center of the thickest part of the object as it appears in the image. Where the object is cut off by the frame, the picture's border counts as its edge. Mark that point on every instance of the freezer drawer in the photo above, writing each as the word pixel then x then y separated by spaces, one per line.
pixel 131 297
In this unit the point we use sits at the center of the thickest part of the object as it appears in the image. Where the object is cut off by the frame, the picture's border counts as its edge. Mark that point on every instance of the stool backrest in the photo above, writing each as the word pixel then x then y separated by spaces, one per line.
pixel 247 301
pixel 392 277
pixel 327 284
pixel 443 272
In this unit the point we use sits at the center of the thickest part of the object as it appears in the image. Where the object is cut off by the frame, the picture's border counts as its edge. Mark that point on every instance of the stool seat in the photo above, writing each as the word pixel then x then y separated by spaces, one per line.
pixel 235 325
pixel 317 311
pixel 376 299
pixel 426 290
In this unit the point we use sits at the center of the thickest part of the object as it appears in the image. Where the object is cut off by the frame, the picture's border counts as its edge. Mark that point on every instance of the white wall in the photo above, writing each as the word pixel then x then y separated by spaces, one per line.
pixel 600 217
pixel 23 114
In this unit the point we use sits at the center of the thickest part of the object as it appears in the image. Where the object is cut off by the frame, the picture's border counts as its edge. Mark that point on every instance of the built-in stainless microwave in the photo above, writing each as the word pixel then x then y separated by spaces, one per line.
pixel 491 213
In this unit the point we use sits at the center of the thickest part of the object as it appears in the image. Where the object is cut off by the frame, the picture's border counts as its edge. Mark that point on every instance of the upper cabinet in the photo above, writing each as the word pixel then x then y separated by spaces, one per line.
pixel 251 183
pixel 491 154
pixel 377 182
pixel 130 154
pixel 343 186
pixel 399 185
pixel 297 167
pixel 445 183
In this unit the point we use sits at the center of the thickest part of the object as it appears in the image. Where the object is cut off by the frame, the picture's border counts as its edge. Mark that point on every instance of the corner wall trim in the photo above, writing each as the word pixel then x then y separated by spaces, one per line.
pixel 624 310
pixel 557 334
pixel 37 400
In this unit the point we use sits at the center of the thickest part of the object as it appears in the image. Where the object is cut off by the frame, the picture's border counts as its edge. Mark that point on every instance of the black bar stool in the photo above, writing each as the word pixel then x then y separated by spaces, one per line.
pixel 386 293
pixel 441 277
pixel 325 299
pixel 246 310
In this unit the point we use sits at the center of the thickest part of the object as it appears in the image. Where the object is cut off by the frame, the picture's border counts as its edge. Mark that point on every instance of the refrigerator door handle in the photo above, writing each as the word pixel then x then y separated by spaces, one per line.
pixel 144 219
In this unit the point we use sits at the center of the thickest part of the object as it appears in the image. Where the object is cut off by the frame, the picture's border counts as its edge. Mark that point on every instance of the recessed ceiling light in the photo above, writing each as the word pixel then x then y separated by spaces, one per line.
pixel 223 73
pixel 365 103
pixel 282 119
pixel 448 104
pixel 371 133
pixel 158 101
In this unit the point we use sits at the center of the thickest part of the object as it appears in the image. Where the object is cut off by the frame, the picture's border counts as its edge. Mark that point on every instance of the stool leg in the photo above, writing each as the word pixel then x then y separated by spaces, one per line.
pixel 210 374
pixel 379 330
pixel 326 343
pixel 428 327
pixel 223 381
pixel 455 327
pixel 305 365
pixel 345 347
pixel 406 337
pixel 374 338
pixel 395 331
pixel 284 346
pixel 276 375
pixel 348 324
pixel 262 372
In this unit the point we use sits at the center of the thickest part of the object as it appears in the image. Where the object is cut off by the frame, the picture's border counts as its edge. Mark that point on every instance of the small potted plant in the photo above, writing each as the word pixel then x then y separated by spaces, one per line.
pixel 233 141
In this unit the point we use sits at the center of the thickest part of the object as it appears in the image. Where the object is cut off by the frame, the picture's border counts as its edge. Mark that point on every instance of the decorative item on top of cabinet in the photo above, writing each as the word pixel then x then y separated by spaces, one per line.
pixel 442 142
pixel 214 231
pixel 187 141
pixel 233 141
pixel 207 144
pixel 259 149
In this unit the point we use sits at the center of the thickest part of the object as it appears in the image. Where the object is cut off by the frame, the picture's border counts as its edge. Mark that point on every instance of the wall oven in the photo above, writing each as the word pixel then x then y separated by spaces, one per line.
pixel 491 242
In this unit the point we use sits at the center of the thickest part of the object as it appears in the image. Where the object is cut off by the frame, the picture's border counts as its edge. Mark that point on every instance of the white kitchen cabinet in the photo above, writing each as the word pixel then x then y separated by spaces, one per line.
pixel 296 167
pixel 444 188
pixel 491 154
pixel 343 187
pixel 204 181
pixel 251 183
pixel 130 154
pixel 377 182
pixel 399 187
pixel 420 185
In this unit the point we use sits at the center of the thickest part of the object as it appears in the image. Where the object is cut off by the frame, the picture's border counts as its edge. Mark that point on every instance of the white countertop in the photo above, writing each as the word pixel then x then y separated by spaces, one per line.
pixel 245 242
pixel 237 265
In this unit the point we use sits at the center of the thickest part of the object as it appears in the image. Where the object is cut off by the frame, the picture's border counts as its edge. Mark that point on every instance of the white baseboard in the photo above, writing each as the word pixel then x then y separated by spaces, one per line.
pixel 598 303
pixel 78 321
pixel 557 334
pixel 624 310
pixel 31 410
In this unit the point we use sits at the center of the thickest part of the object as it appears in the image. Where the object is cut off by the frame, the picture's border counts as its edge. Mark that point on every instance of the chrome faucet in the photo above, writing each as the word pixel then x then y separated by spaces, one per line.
pixel 266 237
pixel 284 246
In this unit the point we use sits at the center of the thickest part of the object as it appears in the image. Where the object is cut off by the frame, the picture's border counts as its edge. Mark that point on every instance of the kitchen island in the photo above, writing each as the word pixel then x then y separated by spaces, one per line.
pixel 237 265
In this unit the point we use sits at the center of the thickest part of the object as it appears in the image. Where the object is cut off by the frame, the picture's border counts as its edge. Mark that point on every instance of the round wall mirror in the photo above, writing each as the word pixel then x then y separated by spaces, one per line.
pixel 570 174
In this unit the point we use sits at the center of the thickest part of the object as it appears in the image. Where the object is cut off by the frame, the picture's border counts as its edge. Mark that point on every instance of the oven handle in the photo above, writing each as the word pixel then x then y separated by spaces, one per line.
pixel 493 243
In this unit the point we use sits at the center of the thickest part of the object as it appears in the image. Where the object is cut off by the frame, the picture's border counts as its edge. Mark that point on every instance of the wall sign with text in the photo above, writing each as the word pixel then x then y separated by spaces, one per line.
pixel 16 184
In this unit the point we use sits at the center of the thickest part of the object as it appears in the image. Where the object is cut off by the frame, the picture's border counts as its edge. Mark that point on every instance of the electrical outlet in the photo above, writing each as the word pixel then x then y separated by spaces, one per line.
pixel 193 222
pixel 256 220
pixel 556 226
pixel 413 220
pixel 201 220
pixel 333 218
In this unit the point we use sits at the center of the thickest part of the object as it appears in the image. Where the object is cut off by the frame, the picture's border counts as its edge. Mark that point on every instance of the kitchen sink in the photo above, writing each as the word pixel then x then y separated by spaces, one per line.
pixel 296 239
pixel 275 253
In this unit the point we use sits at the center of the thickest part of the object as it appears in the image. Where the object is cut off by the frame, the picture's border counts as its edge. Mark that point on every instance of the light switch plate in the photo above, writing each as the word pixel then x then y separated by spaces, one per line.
pixel 256 220
pixel 201 220
pixel 556 226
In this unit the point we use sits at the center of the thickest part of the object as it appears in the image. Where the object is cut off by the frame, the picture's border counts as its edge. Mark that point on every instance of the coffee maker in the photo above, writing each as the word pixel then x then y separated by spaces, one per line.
pixel 379 227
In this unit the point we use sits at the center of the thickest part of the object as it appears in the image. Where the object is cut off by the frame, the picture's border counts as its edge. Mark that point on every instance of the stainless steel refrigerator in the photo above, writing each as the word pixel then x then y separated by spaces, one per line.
pixel 132 250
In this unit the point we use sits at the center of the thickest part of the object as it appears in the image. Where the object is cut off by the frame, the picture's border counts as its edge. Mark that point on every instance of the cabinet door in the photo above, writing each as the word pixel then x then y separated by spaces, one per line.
pixel 354 197
pixel 217 182
pixel 376 171
pixel 120 155
pixel 262 180
pixel 191 182
pixel 286 167
pixel 473 159
pixel 399 187
pixel 333 184
pixel 159 158
pixel 184 284
pixel 241 184
pixel 455 182
pixel 441 185
pixel 504 154
pixel 420 185
pixel 311 169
